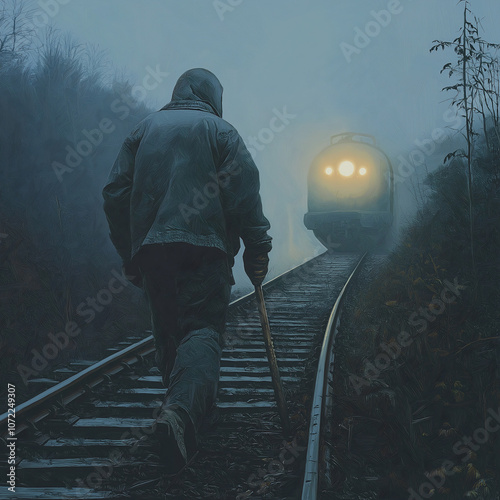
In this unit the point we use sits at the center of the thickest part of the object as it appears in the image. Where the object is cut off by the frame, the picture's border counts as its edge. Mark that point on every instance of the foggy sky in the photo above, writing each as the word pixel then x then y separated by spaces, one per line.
pixel 271 54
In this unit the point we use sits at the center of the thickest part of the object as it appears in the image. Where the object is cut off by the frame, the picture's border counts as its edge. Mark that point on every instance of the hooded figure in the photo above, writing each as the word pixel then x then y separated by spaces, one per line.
pixel 182 192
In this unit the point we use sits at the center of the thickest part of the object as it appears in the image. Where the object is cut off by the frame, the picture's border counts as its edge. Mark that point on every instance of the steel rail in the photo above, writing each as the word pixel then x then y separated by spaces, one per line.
pixel 76 385
pixel 311 475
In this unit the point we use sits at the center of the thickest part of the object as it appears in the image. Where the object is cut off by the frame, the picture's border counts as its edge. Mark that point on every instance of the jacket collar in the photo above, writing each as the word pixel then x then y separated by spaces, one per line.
pixel 188 104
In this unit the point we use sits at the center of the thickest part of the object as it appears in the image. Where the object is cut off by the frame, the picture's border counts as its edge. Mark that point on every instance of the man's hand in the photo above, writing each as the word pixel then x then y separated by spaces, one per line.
pixel 256 264
pixel 132 273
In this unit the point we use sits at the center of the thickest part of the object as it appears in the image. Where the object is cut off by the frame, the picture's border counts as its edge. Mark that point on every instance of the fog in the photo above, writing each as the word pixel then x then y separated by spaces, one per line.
pixel 76 76
pixel 334 65
pixel 294 74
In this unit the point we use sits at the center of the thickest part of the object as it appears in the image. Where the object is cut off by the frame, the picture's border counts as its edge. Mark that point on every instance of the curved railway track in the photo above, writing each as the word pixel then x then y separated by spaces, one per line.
pixel 90 437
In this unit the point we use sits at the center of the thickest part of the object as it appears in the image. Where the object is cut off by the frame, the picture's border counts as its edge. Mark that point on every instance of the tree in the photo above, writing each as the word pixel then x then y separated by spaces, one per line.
pixel 476 92
pixel 15 32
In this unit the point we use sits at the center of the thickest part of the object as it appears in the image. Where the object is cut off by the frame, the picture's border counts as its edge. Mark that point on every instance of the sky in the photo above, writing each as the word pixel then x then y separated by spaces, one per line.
pixel 323 66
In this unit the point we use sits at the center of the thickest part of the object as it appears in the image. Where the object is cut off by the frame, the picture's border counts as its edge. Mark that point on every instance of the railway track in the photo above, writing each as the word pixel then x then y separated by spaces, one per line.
pixel 89 437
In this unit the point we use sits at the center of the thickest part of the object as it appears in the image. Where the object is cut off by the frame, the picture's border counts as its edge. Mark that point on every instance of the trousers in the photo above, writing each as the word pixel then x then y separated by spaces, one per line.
pixel 188 290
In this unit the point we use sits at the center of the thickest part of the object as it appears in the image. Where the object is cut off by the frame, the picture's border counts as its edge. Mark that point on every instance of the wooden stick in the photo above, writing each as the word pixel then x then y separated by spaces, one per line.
pixel 271 356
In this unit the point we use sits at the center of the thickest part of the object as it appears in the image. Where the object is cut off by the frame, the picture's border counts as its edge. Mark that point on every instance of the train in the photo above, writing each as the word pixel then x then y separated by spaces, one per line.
pixel 350 198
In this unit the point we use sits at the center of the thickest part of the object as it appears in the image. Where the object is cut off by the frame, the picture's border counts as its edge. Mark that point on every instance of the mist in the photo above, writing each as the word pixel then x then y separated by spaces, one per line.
pixel 335 66
pixel 294 74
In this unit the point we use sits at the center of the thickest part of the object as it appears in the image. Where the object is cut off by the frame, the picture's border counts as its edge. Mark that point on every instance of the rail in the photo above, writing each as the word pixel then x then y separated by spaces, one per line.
pixel 312 467
pixel 78 384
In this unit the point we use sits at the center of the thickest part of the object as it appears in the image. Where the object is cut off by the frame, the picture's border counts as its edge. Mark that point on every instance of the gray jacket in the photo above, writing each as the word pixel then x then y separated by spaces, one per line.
pixel 185 175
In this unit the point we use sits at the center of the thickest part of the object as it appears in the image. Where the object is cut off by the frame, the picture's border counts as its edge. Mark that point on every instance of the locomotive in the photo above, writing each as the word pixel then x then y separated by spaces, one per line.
pixel 350 193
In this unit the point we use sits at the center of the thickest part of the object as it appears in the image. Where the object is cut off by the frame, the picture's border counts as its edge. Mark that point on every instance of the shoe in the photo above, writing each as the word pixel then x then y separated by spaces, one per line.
pixel 169 429
pixel 211 420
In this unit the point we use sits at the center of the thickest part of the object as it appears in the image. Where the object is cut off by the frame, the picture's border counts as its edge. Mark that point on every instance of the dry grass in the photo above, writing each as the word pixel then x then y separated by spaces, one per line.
pixel 56 251
pixel 405 422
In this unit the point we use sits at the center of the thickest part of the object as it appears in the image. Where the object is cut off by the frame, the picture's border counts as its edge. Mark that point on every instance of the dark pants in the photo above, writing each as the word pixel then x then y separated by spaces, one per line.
pixel 188 290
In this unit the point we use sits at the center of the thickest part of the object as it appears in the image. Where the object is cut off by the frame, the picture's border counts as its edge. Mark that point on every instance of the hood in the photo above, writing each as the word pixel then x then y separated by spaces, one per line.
pixel 199 84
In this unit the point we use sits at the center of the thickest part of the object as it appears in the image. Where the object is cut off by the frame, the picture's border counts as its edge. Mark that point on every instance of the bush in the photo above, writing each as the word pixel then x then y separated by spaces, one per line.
pixel 55 157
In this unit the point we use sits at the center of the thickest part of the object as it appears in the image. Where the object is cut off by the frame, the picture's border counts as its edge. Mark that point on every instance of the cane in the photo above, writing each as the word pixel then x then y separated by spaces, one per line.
pixel 273 365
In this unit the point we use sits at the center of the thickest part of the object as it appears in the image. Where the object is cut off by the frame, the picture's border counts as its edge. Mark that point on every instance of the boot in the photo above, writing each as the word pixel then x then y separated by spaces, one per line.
pixel 174 434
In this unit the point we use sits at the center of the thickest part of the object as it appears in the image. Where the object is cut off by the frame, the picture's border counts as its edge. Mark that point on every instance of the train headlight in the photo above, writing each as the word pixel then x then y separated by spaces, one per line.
pixel 346 168
pixel 328 170
pixel 362 171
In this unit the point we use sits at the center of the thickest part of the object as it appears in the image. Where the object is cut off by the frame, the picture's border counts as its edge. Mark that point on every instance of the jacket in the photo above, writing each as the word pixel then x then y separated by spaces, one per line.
pixel 185 175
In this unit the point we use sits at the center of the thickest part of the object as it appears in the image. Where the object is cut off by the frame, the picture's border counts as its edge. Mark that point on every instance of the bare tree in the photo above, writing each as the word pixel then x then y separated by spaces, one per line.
pixel 476 92
pixel 16 32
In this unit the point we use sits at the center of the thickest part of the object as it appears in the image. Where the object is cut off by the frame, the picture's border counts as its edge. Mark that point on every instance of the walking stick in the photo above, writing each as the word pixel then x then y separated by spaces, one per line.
pixel 273 365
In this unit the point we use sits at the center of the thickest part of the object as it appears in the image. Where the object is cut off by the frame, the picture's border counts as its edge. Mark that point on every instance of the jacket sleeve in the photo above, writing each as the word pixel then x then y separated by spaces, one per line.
pixel 116 196
pixel 239 186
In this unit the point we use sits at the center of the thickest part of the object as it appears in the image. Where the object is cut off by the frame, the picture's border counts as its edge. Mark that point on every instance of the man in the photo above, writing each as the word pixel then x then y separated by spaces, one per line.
pixel 181 193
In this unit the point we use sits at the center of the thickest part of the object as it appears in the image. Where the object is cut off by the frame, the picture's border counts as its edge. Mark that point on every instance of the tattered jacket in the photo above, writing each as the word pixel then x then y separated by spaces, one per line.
pixel 185 175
